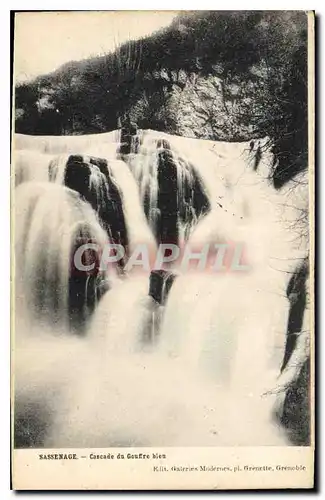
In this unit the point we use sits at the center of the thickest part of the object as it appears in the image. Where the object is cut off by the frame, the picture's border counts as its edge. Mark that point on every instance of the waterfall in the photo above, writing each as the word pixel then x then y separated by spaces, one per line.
pixel 129 140
pixel 135 225
pixel 229 340
pixel 144 166
pixel 50 223
pixel 161 282
pixel 30 166
pixel 176 357
pixel 124 334
pixel 65 144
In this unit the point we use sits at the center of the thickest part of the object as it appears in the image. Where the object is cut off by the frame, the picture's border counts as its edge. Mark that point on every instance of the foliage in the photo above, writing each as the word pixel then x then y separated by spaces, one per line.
pixel 259 60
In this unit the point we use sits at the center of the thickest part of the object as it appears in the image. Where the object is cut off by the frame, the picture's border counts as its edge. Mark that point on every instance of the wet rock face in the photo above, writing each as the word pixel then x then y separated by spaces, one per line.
pixel 101 163
pixel 91 178
pixel 297 295
pixel 32 423
pixel 129 139
pixel 160 284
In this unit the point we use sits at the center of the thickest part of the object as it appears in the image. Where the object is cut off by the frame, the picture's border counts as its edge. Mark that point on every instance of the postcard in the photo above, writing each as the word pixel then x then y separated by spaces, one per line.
pixel 163 250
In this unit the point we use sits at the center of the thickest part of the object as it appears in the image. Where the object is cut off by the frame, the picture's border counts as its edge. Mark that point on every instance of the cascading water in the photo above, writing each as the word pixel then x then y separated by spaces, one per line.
pixel 50 223
pixel 130 394
pixel 169 357
pixel 92 178
pixel 172 193
pixel 31 166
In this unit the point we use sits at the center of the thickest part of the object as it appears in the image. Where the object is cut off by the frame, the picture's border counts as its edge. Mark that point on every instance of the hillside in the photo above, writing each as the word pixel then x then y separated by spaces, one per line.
pixel 229 76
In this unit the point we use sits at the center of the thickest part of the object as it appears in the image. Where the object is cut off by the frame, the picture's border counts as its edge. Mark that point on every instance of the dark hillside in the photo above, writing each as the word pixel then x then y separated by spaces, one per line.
pixel 223 76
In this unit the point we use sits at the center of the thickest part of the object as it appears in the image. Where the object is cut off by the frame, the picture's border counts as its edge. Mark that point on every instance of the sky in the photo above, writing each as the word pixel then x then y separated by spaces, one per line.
pixel 46 40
